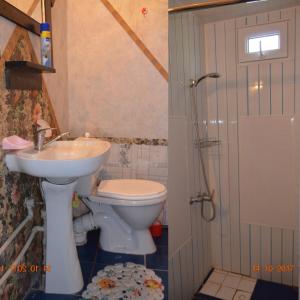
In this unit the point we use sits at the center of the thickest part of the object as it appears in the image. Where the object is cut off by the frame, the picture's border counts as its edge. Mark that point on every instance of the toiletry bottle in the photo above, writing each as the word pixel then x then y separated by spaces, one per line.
pixel 46 45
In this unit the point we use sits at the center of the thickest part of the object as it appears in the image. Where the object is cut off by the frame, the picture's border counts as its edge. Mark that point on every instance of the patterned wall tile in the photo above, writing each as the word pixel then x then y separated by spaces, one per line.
pixel 138 162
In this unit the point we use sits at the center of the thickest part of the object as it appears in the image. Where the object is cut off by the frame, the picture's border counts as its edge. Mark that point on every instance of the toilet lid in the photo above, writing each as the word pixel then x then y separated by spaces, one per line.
pixel 131 189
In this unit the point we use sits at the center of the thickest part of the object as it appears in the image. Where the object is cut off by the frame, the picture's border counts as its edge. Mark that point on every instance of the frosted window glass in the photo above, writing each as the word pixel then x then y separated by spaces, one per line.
pixel 264 43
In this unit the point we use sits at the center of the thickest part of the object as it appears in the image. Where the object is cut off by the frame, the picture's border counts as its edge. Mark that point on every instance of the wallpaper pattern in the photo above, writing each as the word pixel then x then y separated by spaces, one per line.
pixel 18 109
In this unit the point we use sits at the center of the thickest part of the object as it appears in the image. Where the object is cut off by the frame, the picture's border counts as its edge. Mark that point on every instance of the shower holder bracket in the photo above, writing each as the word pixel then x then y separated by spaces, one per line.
pixel 205 143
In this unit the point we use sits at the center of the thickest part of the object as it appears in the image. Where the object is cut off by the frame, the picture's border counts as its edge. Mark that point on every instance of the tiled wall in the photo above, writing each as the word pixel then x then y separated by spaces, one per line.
pixel 139 162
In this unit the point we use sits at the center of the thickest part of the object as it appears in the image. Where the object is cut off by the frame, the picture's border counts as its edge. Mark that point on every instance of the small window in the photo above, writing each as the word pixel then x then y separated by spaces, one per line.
pixel 263 42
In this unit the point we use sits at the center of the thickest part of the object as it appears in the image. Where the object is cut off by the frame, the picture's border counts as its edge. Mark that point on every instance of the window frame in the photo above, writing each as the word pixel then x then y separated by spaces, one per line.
pixel 246 33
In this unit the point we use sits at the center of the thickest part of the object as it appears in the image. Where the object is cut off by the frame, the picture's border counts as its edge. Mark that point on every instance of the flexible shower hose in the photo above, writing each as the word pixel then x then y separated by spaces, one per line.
pixel 208 193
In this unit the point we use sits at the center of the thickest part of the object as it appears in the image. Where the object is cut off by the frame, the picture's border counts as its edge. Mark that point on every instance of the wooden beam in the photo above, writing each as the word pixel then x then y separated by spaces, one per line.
pixel 33 7
pixel 136 39
pixel 18 17
pixel 206 4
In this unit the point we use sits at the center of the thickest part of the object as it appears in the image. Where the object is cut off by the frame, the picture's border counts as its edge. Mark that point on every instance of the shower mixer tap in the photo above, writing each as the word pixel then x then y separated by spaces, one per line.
pixel 200 198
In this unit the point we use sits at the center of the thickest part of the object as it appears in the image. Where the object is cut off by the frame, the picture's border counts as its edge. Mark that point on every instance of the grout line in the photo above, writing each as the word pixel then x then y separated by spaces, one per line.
pixel 281 254
pixel 271 250
pixel 282 89
pixel 218 188
pixel 247 79
pixel 260 250
pixel 238 155
pixel 259 90
pixel 180 271
pixel 250 250
pixel 270 83
pixel 293 255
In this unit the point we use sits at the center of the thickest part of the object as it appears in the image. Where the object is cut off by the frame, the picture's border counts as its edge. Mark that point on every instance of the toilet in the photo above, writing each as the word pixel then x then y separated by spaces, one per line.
pixel 123 209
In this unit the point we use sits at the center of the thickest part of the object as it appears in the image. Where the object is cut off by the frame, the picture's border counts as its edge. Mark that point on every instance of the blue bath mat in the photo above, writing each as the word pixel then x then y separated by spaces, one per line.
pixel 125 281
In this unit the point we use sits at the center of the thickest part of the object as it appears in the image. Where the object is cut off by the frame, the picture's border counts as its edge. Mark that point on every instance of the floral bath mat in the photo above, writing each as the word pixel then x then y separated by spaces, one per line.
pixel 123 282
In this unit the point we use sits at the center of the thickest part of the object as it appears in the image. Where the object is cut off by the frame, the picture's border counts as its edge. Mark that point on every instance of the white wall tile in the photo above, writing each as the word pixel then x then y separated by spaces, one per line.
pixel 138 162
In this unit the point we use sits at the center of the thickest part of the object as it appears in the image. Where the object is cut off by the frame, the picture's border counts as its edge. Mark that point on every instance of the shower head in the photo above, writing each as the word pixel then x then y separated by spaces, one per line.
pixel 213 75
pixel 209 75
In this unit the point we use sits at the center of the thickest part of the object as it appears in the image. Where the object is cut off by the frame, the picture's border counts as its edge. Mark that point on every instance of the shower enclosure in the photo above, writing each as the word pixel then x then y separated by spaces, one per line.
pixel 233 145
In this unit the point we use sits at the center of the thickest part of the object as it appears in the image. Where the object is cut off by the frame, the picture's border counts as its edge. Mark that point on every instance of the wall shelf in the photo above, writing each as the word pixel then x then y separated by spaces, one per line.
pixel 25 75
pixel 28 65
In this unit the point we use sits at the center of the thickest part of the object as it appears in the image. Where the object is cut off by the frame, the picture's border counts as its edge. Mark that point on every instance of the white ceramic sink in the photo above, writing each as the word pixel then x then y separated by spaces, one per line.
pixel 62 159
pixel 61 163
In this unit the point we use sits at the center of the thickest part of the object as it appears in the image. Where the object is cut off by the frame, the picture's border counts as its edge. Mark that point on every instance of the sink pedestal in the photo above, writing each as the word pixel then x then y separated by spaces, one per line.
pixel 65 276
pixel 61 162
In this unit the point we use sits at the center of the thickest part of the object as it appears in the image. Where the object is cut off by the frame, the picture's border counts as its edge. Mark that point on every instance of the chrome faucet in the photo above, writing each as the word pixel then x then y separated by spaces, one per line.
pixel 39 137
pixel 56 138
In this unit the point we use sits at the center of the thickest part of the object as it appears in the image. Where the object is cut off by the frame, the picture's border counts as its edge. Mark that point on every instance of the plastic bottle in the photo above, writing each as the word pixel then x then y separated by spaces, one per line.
pixel 46 58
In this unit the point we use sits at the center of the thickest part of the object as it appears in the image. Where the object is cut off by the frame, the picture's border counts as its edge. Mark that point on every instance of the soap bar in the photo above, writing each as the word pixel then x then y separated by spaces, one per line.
pixel 14 142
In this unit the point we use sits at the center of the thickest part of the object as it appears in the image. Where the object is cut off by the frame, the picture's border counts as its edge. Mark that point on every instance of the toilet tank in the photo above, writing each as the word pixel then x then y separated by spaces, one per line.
pixel 87 184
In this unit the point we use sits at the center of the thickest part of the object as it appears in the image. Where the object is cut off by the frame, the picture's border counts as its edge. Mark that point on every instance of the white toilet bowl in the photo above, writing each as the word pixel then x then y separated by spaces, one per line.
pixel 123 209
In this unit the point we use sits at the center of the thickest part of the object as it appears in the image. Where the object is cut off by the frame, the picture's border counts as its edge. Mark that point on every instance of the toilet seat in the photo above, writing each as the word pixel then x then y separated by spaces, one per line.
pixel 130 192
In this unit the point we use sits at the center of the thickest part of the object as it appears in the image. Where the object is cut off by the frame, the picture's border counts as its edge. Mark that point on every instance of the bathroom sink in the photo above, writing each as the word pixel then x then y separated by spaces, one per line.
pixel 61 159
pixel 60 164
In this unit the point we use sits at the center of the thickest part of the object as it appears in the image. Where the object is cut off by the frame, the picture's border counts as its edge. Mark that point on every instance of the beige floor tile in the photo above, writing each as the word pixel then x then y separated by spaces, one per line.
pixel 247 284
pixel 226 293
pixel 232 280
pixel 210 288
pixel 217 277
pixel 240 295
